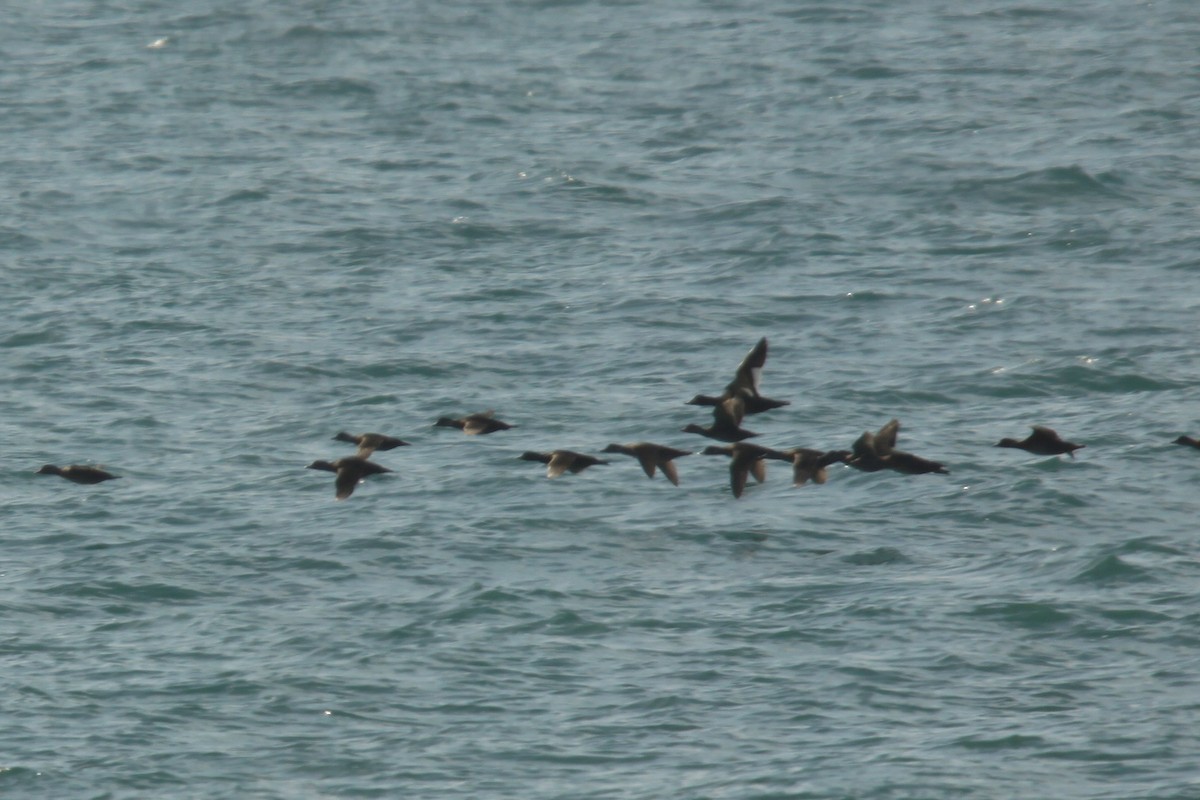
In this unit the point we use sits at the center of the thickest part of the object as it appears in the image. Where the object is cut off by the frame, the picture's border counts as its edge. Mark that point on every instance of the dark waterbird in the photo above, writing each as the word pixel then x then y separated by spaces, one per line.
pixel 869 450
pixel 368 443
pixel 909 464
pixel 474 424
pixel 727 422
pixel 745 384
pixel 559 461
pixel 1188 440
pixel 350 470
pixel 877 451
pixel 811 465
pixel 76 473
pixel 745 459
pixel 1042 442
pixel 652 456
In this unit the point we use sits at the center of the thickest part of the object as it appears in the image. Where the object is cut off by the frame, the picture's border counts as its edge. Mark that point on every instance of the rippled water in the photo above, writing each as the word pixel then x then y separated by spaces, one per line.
pixel 232 230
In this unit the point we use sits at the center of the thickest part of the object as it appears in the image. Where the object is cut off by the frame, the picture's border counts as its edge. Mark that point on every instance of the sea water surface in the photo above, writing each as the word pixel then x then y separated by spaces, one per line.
pixel 230 230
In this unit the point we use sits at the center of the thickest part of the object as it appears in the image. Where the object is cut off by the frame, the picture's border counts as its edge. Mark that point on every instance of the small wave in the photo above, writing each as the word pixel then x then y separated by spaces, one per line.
pixel 1043 187
pixel 876 557
pixel 1111 569
pixel 1023 614
pixel 1013 741
pixel 117 590
pixel 342 88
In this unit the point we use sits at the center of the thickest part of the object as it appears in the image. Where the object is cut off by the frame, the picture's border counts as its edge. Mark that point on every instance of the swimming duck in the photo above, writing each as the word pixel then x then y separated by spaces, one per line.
pixel 810 465
pixel 745 459
pixel 727 422
pixel 76 473
pixel 559 461
pixel 1187 440
pixel 869 450
pixel 745 384
pixel 1042 442
pixel 651 456
pixel 474 424
pixel 368 443
pixel 350 470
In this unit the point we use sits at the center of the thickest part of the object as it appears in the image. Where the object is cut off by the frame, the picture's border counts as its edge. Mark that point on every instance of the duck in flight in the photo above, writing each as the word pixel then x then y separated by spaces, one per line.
pixel 745 459
pixel 869 450
pixel 474 424
pixel 368 443
pixel 1042 442
pixel 651 457
pixel 877 451
pixel 811 465
pixel 745 384
pixel 77 473
pixel 351 471
pixel 727 422
pixel 559 461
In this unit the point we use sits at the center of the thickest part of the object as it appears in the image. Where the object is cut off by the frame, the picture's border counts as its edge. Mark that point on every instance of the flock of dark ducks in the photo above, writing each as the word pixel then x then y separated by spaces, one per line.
pixel 871 452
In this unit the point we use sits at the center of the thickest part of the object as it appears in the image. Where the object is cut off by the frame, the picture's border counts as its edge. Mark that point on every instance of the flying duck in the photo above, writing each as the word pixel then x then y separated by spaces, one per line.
pixel 1187 440
pixel 559 461
pixel 76 473
pixel 350 470
pixel 809 465
pixel 869 450
pixel 368 443
pixel 474 424
pixel 727 422
pixel 909 464
pixel 745 459
pixel 652 456
pixel 1042 442
pixel 745 384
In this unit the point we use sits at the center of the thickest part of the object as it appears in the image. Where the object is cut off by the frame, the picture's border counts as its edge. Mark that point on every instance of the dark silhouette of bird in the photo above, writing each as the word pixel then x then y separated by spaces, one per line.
pixel 350 470
pixel 652 456
pixel 727 422
pixel 1187 440
pixel 869 450
pixel 474 424
pixel 745 384
pixel 811 465
pixel 745 459
pixel 1042 442
pixel 368 443
pixel 77 473
pixel 907 463
pixel 877 451
pixel 559 461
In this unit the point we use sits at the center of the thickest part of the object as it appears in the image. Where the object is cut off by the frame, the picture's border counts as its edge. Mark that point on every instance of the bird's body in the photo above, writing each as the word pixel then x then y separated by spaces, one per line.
pixel 651 457
pixel 1042 442
pixel 745 459
pixel 811 465
pixel 559 461
pixel 869 450
pixel 350 471
pixel 745 385
pixel 727 422
pixel 909 464
pixel 873 452
pixel 78 473
pixel 474 424
pixel 1188 441
pixel 368 443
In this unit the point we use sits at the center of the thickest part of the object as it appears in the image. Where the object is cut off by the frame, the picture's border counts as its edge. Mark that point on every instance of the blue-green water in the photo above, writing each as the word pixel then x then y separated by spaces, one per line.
pixel 232 229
